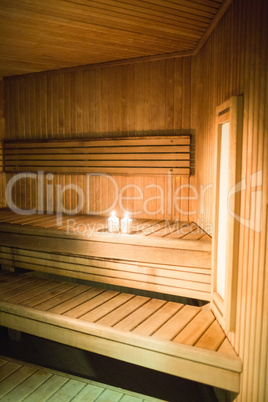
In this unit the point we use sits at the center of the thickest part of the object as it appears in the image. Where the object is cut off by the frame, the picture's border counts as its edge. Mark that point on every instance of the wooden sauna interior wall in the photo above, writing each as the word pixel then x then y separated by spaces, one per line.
pixel 148 98
pixel 155 97
pixel 234 62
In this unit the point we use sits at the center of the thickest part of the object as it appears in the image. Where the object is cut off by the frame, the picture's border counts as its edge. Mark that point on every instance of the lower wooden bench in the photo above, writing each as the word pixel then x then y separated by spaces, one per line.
pixel 23 381
pixel 177 339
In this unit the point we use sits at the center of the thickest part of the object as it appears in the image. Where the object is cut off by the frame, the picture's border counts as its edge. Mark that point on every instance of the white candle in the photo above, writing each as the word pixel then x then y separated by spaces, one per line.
pixel 113 223
pixel 126 224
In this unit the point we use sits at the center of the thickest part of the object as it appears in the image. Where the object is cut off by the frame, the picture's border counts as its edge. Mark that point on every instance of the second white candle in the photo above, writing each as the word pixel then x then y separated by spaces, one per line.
pixel 126 224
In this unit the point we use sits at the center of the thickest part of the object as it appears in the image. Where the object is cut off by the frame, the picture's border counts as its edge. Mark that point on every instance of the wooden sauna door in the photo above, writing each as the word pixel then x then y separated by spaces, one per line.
pixel 225 249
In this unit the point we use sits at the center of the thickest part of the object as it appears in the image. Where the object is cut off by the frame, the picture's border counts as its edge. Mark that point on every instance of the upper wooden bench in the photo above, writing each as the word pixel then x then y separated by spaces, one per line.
pixel 159 256
pixel 138 156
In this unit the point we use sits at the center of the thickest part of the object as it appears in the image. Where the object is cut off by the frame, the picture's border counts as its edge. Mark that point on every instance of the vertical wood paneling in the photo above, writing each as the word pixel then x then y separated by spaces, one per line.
pixel 137 99
pixel 233 62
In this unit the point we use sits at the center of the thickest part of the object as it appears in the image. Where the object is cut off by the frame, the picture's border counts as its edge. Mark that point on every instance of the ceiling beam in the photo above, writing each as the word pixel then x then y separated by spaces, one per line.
pixel 135 60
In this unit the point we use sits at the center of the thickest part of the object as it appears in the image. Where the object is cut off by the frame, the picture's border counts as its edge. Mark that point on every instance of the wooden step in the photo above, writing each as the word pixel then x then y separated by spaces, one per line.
pixel 178 339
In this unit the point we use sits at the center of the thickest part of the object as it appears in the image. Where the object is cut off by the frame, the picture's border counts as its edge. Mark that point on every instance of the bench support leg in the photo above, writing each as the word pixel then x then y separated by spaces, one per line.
pixel 225 396
pixel 14 335
pixel 8 268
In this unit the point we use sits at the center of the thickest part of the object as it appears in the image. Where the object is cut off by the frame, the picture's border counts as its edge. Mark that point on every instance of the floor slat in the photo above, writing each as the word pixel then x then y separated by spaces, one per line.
pixel 68 391
pixel 47 389
pixel 32 383
pixel 88 394
pixel 7 369
pixel 16 377
pixel 27 387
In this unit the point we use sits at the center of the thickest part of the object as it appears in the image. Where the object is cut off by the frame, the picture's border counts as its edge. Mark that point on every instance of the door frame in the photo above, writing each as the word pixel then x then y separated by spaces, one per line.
pixel 225 310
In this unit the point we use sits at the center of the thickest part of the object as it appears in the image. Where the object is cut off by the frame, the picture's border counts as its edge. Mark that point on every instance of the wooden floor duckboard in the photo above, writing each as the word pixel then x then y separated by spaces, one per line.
pixel 159 256
pixel 23 381
pixel 177 339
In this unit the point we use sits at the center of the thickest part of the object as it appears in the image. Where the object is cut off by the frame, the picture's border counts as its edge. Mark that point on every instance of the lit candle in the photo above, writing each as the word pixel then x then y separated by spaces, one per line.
pixel 126 224
pixel 113 223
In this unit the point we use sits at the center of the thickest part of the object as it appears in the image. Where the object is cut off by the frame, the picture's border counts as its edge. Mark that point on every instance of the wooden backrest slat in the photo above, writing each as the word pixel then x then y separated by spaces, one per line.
pixel 137 141
pixel 100 150
pixel 119 163
pixel 144 155
pixel 105 157
pixel 106 170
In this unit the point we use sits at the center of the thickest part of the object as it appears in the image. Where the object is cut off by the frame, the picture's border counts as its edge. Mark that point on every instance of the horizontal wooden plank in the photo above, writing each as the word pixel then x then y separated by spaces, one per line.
pixel 184 287
pixel 108 170
pixel 61 261
pixel 175 279
pixel 142 149
pixel 137 141
pixel 98 157
pixel 146 286
pixel 167 164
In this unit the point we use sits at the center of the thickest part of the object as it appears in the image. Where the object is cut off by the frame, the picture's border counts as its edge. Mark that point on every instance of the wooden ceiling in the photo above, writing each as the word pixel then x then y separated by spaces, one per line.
pixel 39 35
